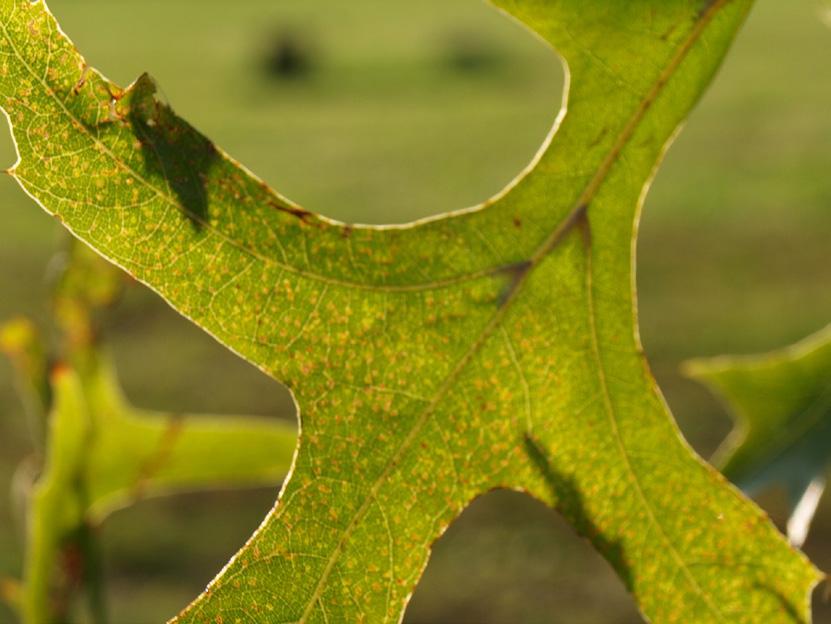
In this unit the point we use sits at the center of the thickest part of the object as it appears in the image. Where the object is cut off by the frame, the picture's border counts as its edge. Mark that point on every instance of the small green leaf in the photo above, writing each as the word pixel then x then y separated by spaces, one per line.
pixel 493 347
pixel 782 404
pixel 138 453
pixel 104 454
pixel 101 453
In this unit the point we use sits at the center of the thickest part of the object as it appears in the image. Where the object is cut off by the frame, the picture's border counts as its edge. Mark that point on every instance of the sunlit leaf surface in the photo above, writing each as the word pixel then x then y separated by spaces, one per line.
pixel 430 363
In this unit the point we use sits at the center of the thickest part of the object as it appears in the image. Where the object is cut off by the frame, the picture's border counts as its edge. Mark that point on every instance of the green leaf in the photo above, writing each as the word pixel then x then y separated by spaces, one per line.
pixel 493 347
pixel 104 454
pixel 782 405
pixel 138 453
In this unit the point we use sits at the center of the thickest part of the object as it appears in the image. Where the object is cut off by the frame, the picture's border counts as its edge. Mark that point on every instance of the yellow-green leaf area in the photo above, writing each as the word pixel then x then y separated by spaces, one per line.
pixel 490 348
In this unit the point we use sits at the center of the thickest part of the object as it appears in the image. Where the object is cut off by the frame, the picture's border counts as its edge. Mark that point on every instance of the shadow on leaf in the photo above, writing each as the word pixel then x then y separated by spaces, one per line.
pixel 570 503
pixel 172 149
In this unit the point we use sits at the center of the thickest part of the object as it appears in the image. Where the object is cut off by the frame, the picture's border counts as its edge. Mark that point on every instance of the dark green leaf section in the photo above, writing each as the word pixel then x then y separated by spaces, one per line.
pixel 431 363
pixel 782 403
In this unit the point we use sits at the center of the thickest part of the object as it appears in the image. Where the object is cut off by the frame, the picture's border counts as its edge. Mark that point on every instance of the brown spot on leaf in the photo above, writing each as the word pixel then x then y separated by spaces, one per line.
pixel 300 213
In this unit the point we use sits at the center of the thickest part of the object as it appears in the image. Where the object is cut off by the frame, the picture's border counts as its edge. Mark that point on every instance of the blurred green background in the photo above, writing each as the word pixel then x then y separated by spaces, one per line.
pixel 375 111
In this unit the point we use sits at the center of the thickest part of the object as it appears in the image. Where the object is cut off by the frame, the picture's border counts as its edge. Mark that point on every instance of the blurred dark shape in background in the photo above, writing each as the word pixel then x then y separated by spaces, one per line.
pixel 470 51
pixel 289 53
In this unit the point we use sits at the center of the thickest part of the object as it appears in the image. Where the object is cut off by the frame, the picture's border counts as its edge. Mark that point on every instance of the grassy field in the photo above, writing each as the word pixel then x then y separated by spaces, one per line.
pixel 403 110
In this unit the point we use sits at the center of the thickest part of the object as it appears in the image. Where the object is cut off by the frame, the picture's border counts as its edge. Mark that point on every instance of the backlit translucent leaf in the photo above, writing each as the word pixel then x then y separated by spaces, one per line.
pixel 782 404
pixel 495 347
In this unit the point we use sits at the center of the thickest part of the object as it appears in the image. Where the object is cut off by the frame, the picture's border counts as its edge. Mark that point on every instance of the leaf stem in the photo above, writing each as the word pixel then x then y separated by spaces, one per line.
pixel 92 573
